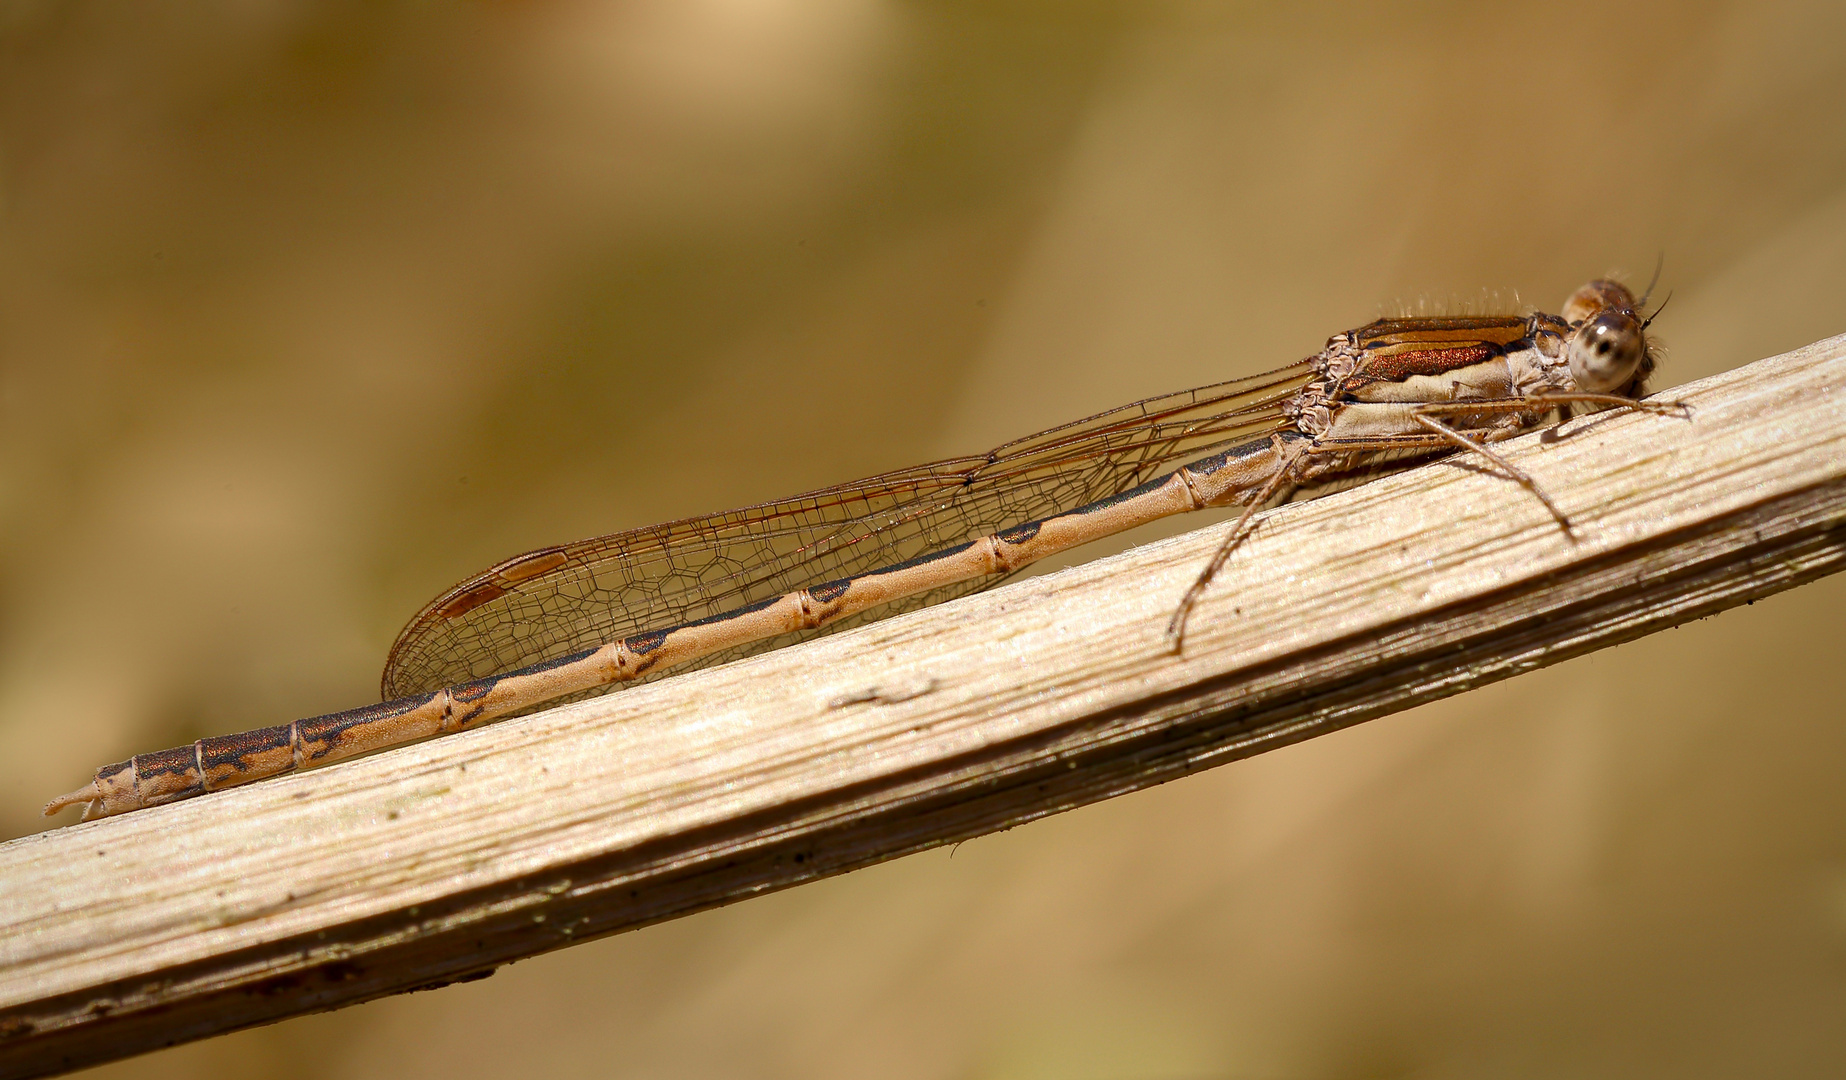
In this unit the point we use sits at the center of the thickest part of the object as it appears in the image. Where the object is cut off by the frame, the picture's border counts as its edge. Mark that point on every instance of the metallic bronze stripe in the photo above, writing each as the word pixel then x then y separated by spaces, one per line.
pixel 1424 340
pixel 1486 328
pixel 1392 367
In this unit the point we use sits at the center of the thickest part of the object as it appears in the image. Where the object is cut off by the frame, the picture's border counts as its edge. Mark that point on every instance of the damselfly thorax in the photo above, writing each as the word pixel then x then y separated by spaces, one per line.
pixel 586 616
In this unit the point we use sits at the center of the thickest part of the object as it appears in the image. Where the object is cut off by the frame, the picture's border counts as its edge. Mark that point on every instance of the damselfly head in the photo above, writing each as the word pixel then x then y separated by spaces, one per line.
pixel 1606 349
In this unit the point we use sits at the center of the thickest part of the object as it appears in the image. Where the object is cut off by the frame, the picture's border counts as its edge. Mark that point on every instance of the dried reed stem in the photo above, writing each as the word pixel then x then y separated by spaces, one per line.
pixel 438 862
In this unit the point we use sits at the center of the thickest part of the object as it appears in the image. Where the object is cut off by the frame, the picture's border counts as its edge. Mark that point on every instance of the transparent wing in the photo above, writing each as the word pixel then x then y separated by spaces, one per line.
pixel 559 600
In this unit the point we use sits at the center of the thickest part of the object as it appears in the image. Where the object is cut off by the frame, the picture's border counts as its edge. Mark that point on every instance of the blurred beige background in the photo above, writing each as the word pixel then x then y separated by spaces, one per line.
pixel 309 309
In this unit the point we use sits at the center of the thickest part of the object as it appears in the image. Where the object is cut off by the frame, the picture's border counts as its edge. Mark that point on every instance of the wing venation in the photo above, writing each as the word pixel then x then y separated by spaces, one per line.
pixel 564 599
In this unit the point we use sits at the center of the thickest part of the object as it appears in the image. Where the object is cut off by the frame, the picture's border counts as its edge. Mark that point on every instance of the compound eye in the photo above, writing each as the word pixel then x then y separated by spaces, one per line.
pixel 1604 352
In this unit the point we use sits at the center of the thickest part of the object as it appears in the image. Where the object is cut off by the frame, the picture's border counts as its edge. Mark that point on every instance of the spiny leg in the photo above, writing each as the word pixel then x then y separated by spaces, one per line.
pixel 1543 402
pixel 1518 475
pixel 1176 626
pixel 1426 416
pixel 1681 409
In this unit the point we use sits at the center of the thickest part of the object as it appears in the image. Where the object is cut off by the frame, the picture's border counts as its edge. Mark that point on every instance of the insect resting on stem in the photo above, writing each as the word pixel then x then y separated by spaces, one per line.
pixel 579 617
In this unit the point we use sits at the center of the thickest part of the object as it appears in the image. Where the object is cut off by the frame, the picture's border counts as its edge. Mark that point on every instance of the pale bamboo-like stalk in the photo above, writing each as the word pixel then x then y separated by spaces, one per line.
pixel 437 862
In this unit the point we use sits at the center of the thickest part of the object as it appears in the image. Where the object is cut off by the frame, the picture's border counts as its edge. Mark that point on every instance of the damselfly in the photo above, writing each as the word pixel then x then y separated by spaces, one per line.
pixel 569 620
